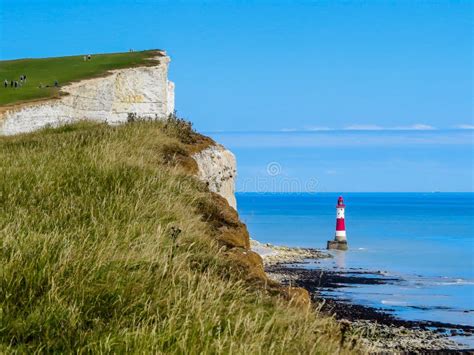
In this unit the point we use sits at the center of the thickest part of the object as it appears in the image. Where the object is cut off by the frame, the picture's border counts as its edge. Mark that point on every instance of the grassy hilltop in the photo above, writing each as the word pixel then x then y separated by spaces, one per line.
pixel 42 73
pixel 109 244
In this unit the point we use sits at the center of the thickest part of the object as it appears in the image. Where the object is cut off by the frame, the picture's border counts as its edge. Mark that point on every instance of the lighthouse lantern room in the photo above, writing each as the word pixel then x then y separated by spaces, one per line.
pixel 340 240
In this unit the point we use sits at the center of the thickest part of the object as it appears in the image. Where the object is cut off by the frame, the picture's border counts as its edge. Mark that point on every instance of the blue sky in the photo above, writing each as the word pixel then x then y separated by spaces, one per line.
pixel 356 71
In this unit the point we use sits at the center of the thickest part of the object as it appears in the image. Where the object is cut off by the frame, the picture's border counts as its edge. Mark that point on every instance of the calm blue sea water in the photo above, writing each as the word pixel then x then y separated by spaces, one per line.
pixel 425 238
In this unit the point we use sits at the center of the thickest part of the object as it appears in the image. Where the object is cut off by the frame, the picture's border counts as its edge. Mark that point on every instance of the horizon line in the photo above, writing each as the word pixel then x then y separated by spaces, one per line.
pixel 339 130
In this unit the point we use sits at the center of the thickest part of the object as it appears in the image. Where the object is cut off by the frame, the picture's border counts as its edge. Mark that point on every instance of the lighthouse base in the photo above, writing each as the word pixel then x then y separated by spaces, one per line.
pixel 337 245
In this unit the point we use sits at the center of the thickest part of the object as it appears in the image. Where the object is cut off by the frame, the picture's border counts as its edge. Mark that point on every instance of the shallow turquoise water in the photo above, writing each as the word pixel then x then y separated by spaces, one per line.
pixel 424 238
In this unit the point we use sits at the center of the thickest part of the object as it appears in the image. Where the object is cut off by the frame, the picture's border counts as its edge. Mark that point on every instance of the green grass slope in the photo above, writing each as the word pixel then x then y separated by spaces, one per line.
pixel 108 245
pixel 43 72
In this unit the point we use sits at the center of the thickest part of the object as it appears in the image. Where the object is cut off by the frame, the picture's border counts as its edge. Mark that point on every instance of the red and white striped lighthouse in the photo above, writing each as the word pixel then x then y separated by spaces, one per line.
pixel 340 225
pixel 340 239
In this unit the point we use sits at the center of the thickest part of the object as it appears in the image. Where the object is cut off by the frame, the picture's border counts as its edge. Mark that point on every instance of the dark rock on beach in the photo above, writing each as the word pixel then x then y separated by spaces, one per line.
pixel 381 330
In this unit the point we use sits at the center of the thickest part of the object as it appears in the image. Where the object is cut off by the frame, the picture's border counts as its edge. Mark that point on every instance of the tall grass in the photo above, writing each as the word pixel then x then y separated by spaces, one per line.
pixel 104 249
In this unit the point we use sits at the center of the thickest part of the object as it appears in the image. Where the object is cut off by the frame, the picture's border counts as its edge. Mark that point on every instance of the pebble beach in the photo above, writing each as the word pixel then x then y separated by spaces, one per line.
pixel 380 330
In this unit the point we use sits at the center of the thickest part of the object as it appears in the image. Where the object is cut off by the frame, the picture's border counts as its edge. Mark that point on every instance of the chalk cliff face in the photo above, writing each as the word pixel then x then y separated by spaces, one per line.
pixel 218 168
pixel 145 91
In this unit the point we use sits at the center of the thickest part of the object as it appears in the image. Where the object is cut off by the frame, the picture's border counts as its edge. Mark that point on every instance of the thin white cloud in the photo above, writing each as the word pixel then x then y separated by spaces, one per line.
pixel 347 138
pixel 363 127
pixel 317 129
pixel 464 126
pixel 369 127
pixel 414 127
pixel 307 129
pixel 417 127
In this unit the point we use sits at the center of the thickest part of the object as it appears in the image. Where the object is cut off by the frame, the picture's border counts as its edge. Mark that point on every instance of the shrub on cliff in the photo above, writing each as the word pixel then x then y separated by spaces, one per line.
pixel 105 249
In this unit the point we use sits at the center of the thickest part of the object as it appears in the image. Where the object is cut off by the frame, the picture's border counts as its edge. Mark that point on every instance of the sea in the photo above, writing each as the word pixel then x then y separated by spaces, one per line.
pixel 424 239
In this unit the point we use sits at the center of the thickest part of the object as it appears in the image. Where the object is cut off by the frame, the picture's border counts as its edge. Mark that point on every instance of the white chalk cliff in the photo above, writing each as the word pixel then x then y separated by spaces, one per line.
pixel 144 91
pixel 218 168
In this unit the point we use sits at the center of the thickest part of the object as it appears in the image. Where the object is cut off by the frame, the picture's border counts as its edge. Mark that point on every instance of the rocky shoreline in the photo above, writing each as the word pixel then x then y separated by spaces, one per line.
pixel 380 330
